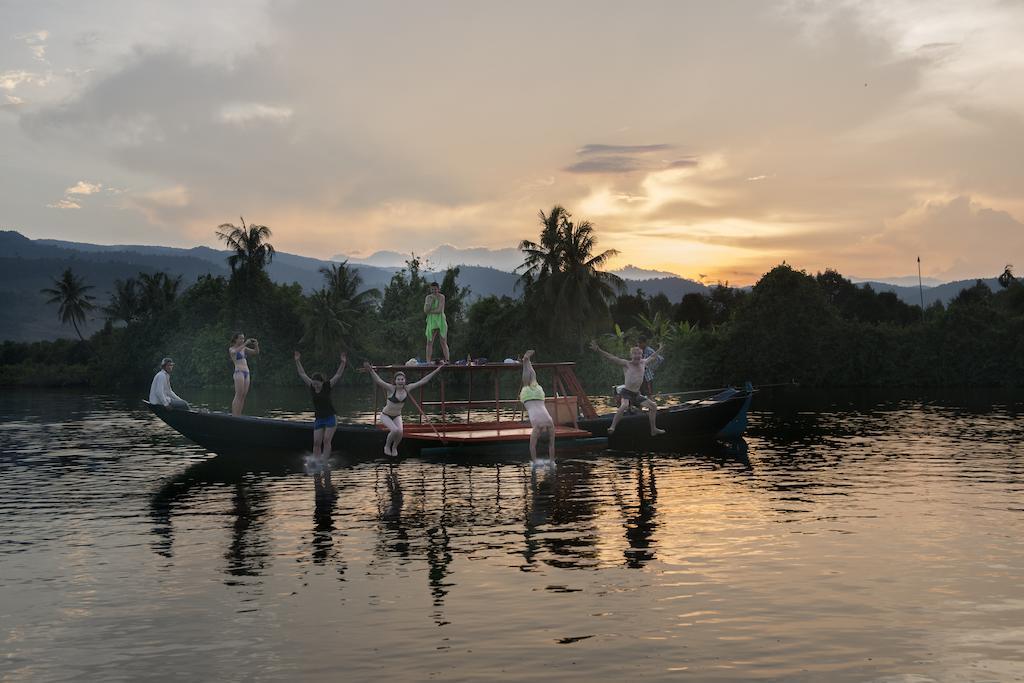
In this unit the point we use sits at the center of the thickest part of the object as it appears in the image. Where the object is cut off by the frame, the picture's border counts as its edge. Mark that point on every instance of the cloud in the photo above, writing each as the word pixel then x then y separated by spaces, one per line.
pixel 83 187
pixel 248 112
pixel 616 164
pixel 621 149
pixel 64 204
pixel 165 206
pixel 622 159
pixel 36 41
pixel 956 237
pixel 9 80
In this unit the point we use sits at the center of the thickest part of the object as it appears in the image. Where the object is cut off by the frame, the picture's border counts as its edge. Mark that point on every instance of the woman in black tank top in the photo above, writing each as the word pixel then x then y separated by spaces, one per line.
pixel 324 419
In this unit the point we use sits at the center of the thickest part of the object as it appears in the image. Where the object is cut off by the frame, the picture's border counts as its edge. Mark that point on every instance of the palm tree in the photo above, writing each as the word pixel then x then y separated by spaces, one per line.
pixel 563 273
pixel 343 283
pixel 584 290
pixel 545 258
pixel 159 291
pixel 71 293
pixel 324 324
pixel 1006 278
pixel 125 303
pixel 253 253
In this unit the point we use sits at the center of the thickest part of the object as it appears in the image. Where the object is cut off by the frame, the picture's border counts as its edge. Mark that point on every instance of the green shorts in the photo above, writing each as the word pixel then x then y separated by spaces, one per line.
pixel 436 321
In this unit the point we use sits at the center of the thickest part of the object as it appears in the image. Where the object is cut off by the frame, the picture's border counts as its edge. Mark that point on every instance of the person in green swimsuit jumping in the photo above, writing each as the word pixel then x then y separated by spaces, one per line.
pixel 437 324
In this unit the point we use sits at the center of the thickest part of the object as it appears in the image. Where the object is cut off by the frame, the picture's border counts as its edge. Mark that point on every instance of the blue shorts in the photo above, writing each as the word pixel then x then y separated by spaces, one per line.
pixel 325 422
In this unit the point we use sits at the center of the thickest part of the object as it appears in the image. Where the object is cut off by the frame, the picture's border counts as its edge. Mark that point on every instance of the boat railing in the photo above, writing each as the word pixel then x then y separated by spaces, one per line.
pixel 565 386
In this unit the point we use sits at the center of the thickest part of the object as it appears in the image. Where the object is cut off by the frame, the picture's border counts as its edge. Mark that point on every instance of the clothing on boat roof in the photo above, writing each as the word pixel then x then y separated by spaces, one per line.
pixel 322 405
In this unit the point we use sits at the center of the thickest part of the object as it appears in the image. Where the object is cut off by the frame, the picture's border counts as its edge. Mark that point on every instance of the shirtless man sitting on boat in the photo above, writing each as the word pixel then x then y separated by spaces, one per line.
pixel 633 370
pixel 532 397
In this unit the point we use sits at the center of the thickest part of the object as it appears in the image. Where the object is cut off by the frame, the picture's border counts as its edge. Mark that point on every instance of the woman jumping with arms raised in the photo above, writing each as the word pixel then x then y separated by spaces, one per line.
pixel 391 413
pixel 324 419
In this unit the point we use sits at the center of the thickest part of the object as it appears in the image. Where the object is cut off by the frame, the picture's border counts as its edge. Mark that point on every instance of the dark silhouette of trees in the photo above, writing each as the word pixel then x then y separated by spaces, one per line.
pixel 72 296
pixel 253 251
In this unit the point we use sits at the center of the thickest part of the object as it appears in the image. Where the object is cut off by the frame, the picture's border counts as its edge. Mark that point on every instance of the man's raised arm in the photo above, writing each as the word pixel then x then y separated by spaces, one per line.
pixel 614 359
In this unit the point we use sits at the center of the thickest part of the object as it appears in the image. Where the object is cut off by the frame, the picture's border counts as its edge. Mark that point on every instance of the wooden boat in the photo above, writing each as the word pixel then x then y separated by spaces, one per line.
pixel 459 426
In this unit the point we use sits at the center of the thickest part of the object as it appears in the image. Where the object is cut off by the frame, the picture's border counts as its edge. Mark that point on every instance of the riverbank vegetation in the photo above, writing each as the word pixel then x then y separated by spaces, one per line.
pixel 791 326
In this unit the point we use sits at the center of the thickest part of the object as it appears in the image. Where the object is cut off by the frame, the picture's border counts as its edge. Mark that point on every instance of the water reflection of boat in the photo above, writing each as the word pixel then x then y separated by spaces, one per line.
pixel 456 428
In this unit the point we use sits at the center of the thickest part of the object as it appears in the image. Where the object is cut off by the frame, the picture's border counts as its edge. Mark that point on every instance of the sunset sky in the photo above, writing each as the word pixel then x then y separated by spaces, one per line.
pixel 710 139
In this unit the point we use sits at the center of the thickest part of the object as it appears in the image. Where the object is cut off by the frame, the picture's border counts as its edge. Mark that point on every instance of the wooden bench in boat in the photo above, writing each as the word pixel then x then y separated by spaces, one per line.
pixel 507 431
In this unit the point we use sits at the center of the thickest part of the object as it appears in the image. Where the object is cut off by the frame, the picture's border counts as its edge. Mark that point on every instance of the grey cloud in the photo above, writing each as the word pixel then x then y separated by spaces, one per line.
pixel 621 159
pixel 162 115
pixel 621 149
pixel 615 164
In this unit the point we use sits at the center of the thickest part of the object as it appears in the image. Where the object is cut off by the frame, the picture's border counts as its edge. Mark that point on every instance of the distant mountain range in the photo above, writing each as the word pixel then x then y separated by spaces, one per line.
pixel 28 265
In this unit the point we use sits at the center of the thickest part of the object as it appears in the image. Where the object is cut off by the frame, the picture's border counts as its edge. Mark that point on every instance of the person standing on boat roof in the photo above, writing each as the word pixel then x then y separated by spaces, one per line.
pixel 532 397
pixel 160 392
pixel 437 324
pixel 241 377
pixel 391 413
pixel 633 370
pixel 324 419
pixel 647 388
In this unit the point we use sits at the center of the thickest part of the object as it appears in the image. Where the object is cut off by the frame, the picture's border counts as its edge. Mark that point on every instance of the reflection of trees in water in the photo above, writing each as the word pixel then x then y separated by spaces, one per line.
pixel 555 505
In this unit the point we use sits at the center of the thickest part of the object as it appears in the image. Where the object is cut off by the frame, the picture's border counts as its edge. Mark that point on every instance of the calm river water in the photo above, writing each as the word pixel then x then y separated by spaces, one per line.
pixel 868 538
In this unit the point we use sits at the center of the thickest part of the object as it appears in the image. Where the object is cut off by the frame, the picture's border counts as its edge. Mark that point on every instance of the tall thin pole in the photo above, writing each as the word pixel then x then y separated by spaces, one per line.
pixel 920 286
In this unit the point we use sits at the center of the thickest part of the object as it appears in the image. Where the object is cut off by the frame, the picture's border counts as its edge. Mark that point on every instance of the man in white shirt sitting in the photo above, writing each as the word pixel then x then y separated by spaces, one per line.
pixel 160 393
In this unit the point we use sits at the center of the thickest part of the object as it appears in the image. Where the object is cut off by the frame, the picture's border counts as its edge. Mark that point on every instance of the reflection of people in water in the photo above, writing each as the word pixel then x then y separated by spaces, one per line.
pixel 553 499
pixel 641 526
pixel 391 513
pixel 326 498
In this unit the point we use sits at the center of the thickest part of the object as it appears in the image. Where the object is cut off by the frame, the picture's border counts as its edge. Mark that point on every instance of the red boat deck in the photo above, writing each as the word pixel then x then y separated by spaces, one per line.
pixel 486 432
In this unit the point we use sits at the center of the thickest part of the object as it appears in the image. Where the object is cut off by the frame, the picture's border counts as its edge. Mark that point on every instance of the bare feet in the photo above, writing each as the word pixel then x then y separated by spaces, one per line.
pixel 611 430
pixel 657 432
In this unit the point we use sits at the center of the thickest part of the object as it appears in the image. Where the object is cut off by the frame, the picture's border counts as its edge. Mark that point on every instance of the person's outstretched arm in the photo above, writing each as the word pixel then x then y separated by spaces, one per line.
pixel 341 368
pixel 376 378
pixel 614 359
pixel 302 372
pixel 420 383
pixel 655 357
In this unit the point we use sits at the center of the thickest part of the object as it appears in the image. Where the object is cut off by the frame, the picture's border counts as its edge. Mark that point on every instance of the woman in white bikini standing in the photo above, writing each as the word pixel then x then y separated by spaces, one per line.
pixel 237 351
pixel 391 413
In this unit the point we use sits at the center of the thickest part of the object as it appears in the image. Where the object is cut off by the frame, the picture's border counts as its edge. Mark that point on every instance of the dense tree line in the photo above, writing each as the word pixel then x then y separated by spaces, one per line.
pixel 820 330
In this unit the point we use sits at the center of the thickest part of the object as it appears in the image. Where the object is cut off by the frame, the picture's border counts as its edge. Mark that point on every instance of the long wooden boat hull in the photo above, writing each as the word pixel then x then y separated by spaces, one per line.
pixel 723 416
pixel 226 433
pixel 720 416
